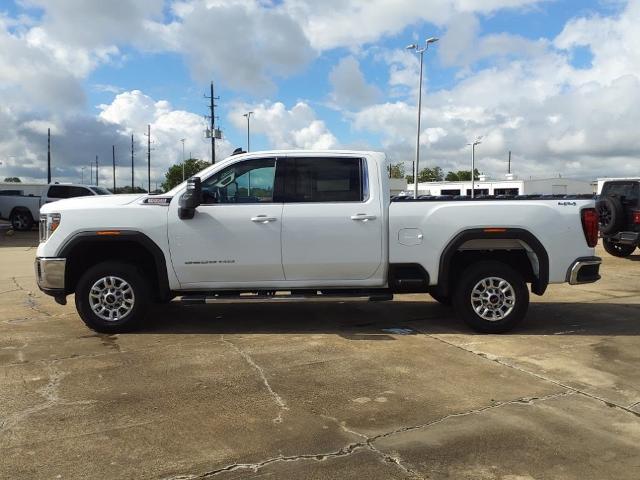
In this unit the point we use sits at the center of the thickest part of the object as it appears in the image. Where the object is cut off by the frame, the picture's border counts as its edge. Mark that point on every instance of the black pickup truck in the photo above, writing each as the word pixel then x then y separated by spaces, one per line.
pixel 619 211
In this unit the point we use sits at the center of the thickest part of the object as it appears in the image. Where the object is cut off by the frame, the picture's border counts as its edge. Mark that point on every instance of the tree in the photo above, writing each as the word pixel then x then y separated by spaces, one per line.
pixel 173 176
pixel 396 171
pixel 462 175
pixel 12 180
pixel 434 174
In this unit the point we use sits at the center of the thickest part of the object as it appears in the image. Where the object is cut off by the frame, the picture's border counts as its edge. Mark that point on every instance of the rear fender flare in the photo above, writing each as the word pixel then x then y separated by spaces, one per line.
pixel 541 282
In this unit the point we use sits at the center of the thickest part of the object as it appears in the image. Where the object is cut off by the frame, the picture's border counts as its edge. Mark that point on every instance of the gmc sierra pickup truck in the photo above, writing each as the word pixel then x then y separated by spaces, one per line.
pixel 320 226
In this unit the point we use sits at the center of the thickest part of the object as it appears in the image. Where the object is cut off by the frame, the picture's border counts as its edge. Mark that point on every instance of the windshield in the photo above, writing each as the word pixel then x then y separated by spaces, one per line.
pixel 100 191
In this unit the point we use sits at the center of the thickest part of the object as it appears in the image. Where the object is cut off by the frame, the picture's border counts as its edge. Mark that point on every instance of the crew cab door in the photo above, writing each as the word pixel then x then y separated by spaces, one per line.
pixel 332 224
pixel 234 237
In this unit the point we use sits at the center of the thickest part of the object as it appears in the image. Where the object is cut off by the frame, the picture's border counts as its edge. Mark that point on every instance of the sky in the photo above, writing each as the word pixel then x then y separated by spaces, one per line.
pixel 557 82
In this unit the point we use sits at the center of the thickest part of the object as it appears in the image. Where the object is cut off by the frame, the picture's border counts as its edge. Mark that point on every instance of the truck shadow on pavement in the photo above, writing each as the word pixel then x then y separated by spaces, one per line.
pixel 384 321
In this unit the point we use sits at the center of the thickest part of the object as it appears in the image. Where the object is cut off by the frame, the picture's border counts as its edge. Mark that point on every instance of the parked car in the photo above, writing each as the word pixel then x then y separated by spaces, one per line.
pixel 619 211
pixel 21 204
pixel 294 225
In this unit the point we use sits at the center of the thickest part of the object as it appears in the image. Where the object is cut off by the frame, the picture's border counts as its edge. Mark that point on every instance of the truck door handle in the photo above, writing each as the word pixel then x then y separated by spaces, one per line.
pixel 263 219
pixel 362 217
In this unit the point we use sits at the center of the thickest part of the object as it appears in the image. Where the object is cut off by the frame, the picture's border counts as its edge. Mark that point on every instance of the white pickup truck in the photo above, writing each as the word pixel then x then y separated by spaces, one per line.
pixel 20 204
pixel 296 225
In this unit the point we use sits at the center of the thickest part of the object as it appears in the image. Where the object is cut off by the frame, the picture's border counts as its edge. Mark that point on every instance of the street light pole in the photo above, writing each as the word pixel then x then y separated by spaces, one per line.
pixel 248 117
pixel 421 51
pixel 473 164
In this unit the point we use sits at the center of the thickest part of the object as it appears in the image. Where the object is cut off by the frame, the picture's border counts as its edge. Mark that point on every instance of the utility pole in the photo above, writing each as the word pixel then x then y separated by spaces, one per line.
pixel 96 170
pixel 132 174
pixel 90 173
pixel 48 155
pixel 149 158
pixel 212 117
pixel 183 160
pixel 509 168
pixel 113 157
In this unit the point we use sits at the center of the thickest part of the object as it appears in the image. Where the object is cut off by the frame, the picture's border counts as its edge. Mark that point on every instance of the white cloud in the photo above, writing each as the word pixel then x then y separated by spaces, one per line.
pixel 350 88
pixel 297 128
pixel 243 44
pixel 96 24
pixel 350 23
pixel 132 111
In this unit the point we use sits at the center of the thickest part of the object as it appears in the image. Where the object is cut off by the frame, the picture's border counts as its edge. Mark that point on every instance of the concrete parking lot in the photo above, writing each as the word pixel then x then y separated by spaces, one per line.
pixel 390 390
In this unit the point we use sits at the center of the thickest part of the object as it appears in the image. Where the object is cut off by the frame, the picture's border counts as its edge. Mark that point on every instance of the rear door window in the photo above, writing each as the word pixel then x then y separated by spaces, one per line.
pixel 67 191
pixel 321 180
pixel 58 191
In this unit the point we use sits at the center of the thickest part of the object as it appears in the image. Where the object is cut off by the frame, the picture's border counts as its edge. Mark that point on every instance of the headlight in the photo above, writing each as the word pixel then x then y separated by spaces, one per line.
pixel 48 224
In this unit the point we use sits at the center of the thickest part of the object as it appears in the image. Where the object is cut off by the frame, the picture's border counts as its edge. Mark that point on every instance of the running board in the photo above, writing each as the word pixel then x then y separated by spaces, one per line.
pixel 280 298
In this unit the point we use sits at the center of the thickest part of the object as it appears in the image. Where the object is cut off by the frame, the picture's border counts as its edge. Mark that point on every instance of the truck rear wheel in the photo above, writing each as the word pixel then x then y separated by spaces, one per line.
pixel 112 297
pixel 491 297
pixel 21 220
pixel 617 249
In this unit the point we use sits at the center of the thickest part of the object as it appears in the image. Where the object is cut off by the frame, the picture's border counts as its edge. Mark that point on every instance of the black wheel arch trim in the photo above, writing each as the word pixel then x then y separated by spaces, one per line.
pixel 124 236
pixel 540 284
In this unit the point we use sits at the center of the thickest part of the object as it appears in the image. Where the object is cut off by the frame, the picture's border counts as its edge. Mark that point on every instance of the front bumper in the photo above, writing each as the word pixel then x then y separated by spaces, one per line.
pixel 50 273
pixel 584 270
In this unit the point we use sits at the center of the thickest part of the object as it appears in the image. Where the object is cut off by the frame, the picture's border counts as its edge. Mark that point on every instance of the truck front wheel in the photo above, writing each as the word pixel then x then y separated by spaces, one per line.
pixel 491 297
pixel 21 220
pixel 112 297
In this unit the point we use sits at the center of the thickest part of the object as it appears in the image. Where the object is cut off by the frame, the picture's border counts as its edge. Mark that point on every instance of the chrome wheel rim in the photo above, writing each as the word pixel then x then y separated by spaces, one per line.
pixel 111 298
pixel 493 299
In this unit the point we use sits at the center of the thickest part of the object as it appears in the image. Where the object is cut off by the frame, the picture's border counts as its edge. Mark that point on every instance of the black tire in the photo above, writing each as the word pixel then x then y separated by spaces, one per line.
pixel 617 249
pixel 134 308
pixel 507 310
pixel 21 220
pixel 611 214
pixel 441 299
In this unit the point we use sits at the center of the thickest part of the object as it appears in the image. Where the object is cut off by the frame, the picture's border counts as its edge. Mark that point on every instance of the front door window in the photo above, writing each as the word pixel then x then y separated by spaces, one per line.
pixel 250 181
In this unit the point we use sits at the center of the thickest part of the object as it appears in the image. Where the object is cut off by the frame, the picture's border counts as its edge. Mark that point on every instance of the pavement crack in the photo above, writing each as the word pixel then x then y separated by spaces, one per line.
pixel 395 461
pixel 31 298
pixel 319 457
pixel 475 411
pixel 366 443
pixel 608 403
pixel 282 405
pixel 9 291
pixel 51 395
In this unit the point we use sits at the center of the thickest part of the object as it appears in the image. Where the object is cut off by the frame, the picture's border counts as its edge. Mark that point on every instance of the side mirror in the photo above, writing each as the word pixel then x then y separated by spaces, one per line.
pixel 191 199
